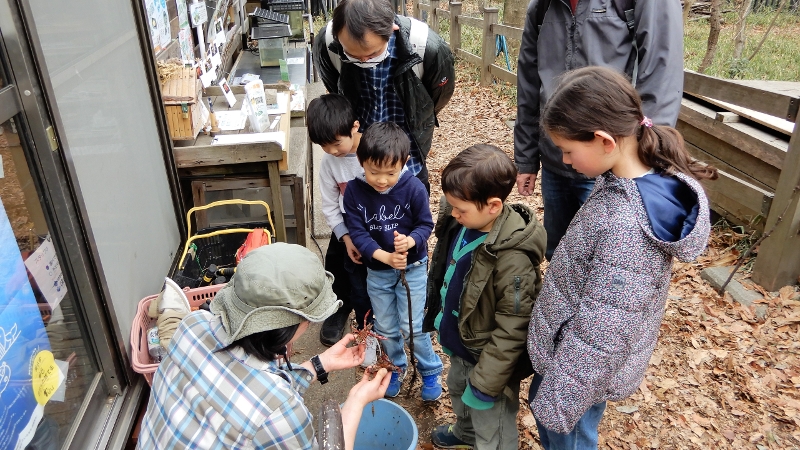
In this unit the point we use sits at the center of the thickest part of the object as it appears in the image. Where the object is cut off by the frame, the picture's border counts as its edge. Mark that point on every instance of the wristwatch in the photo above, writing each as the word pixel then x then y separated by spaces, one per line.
pixel 322 376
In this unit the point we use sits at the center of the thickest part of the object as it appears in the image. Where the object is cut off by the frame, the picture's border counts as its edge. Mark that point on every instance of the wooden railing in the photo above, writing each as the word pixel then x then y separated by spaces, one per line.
pixel 491 29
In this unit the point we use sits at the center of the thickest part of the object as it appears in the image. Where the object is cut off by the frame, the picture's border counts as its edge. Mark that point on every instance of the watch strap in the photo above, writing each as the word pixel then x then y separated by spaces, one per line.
pixel 322 375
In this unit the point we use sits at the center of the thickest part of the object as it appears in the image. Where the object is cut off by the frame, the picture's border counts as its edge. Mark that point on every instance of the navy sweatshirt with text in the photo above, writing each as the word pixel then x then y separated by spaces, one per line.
pixel 372 217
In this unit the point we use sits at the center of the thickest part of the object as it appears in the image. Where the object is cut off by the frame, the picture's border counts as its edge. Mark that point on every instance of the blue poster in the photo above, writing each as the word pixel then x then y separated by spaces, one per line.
pixel 28 375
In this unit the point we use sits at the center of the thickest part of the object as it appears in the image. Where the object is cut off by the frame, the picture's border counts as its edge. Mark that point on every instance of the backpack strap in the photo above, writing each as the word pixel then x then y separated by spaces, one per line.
pixel 335 59
pixel 418 38
pixel 625 11
pixel 541 10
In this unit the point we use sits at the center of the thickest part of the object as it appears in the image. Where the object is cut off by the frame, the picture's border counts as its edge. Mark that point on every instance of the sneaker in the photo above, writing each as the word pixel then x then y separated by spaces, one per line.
pixel 371 353
pixel 442 436
pixel 395 383
pixel 431 387
pixel 332 329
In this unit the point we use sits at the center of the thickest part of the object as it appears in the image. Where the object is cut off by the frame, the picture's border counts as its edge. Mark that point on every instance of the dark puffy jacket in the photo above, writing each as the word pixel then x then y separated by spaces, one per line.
pixel 595 36
pixel 596 322
pixel 422 99
pixel 498 294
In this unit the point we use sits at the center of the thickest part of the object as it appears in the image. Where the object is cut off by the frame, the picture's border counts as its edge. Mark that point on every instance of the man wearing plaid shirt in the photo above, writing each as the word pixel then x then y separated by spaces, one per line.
pixel 227 383
pixel 374 68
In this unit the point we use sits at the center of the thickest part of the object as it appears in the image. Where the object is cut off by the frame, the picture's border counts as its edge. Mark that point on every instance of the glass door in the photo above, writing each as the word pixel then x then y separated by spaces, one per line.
pixel 51 360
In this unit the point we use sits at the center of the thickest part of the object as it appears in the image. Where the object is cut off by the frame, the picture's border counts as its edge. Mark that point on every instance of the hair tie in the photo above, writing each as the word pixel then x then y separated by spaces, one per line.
pixel 646 122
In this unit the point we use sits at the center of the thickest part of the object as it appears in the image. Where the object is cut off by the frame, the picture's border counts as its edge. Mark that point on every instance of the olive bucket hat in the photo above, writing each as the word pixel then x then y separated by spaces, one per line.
pixel 275 286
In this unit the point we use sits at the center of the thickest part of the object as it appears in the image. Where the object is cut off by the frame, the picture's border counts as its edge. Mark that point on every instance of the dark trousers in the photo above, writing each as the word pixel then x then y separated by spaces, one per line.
pixel 563 197
pixel 350 281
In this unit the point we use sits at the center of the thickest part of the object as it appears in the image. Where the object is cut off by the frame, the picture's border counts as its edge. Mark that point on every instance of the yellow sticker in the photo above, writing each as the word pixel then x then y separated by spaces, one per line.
pixel 45 376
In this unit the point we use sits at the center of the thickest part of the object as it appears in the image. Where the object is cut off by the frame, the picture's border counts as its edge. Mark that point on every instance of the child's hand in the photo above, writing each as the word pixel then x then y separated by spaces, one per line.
pixel 352 251
pixel 402 242
pixel 397 260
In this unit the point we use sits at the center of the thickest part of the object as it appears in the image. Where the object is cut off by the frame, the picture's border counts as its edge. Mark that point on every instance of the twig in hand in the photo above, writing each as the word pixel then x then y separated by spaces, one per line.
pixel 721 290
pixel 410 333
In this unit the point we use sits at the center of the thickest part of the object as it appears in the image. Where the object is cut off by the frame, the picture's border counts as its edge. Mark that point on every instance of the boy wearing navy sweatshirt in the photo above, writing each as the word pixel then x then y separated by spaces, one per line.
pixel 389 220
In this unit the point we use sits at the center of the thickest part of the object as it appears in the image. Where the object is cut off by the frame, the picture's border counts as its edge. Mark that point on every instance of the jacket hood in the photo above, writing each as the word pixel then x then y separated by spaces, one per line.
pixel 674 213
pixel 520 231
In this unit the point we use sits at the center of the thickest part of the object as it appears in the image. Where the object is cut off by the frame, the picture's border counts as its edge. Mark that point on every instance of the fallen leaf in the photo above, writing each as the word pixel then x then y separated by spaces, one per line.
pixel 627 409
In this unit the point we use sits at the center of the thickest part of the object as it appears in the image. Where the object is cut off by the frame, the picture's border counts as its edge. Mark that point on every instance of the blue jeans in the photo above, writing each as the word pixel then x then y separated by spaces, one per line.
pixel 582 437
pixel 563 198
pixel 388 296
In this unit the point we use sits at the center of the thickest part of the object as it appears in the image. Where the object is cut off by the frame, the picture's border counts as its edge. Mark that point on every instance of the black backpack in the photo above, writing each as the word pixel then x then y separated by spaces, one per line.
pixel 624 10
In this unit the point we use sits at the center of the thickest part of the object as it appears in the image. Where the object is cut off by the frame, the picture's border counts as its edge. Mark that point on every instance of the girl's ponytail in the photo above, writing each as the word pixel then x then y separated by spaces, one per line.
pixel 597 98
pixel 663 148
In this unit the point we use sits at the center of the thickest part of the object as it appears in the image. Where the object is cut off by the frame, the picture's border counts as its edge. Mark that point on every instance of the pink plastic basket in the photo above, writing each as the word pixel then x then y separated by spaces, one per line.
pixel 140 357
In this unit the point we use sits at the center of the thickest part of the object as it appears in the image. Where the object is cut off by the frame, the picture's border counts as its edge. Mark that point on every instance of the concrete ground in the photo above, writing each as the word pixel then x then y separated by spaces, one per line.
pixel 309 345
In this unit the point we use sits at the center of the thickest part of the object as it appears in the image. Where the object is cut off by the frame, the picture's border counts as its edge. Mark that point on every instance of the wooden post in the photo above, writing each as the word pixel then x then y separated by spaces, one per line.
pixel 433 16
pixel 455 27
pixel 490 15
pixel 778 261
pixel 416 12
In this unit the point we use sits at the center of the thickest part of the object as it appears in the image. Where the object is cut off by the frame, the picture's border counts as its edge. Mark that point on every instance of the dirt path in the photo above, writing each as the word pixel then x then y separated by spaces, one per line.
pixel 719 378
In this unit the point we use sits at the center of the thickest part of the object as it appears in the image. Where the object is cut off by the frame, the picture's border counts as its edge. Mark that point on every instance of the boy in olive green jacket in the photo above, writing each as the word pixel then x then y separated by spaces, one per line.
pixel 483 280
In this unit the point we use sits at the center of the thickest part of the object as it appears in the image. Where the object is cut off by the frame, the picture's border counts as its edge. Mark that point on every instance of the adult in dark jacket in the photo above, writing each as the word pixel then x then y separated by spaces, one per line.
pixel 585 33
pixel 376 71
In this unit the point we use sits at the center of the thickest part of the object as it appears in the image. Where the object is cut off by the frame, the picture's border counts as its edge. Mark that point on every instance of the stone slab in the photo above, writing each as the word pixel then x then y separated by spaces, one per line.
pixel 716 277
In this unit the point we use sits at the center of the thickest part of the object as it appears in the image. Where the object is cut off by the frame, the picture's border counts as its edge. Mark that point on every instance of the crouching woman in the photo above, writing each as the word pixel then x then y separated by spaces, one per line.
pixel 227 382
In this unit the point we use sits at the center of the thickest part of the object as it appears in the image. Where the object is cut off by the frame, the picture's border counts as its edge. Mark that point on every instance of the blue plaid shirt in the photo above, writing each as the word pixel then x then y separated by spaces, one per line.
pixel 223 400
pixel 380 103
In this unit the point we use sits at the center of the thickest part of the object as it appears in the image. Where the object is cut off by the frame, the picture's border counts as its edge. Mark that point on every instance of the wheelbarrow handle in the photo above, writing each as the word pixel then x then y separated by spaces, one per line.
pixel 223 203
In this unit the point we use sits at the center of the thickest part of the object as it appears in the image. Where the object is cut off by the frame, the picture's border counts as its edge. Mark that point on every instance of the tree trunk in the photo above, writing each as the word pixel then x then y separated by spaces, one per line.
pixel 741 28
pixel 514 12
pixel 687 9
pixel 715 20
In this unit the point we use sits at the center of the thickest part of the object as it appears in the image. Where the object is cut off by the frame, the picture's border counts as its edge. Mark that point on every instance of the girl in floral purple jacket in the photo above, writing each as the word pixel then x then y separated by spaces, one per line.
pixel 596 321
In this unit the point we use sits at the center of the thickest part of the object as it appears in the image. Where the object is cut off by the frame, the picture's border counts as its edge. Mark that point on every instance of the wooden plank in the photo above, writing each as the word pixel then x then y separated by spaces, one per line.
pixel 469 57
pixel 277 201
pixel 773 103
pixel 507 31
pixel 712 160
pixel 774 123
pixel 285 125
pixel 503 74
pixel 213 155
pixel 742 161
pixel 778 262
pixel 490 15
pixel 762 145
pixel 740 200
pixel 442 13
pixel 471 21
pixel 727 117
pixel 300 210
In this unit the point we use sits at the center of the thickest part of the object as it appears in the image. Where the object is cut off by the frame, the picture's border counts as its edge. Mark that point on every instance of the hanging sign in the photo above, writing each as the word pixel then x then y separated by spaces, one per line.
pixel 198 14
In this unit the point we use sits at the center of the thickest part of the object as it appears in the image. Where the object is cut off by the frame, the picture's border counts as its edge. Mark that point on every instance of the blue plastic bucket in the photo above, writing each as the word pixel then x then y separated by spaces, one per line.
pixel 391 428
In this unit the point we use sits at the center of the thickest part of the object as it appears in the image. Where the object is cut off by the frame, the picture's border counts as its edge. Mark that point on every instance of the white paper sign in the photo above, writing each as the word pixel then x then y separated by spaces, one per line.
pixel 223 84
pixel 198 14
pixel 44 266
pixel 231 120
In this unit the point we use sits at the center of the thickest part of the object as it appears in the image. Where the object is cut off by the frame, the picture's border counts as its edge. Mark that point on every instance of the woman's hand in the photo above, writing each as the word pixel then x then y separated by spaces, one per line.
pixel 340 356
pixel 360 396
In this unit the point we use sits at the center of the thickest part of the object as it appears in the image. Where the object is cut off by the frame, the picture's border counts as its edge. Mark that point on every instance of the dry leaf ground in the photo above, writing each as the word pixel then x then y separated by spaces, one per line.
pixel 719 377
